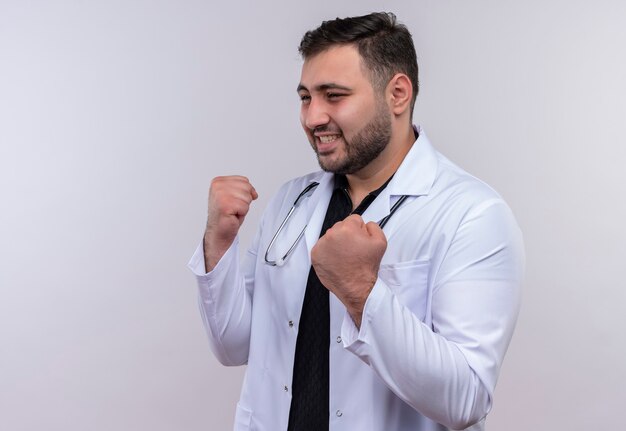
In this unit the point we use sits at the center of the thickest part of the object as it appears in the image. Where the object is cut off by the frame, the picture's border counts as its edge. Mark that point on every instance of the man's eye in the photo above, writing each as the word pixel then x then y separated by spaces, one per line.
pixel 305 98
pixel 334 95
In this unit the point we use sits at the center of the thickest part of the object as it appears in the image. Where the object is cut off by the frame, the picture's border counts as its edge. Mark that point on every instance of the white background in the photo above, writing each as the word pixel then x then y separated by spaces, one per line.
pixel 115 115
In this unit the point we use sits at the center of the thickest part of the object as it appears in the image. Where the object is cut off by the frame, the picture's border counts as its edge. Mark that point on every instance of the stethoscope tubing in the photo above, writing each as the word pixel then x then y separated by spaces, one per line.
pixel 302 194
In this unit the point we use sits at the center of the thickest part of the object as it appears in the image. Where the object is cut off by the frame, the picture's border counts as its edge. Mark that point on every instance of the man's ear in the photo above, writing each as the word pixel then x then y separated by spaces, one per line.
pixel 400 93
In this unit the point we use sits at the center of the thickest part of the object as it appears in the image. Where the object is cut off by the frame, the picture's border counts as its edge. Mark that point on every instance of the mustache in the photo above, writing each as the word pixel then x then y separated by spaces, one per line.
pixel 325 129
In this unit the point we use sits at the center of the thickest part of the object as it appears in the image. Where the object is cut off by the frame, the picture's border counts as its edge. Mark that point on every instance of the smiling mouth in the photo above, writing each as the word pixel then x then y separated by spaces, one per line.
pixel 326 144
pixel 328 138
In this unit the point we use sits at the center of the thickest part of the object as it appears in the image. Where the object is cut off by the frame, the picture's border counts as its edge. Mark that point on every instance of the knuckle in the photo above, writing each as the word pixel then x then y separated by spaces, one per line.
pixel 314 254
pixel 216 185
pixel 331 232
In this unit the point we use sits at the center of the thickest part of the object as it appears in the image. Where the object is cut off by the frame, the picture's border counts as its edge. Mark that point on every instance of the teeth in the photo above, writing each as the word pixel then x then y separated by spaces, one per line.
pixel 326 139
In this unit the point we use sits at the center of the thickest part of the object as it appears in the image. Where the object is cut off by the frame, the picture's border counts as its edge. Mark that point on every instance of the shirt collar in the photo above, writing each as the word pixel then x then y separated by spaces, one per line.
pixel 341 182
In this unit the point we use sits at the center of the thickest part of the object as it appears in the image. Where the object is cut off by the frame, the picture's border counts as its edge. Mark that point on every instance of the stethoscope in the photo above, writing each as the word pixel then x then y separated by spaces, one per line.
pixel 308 191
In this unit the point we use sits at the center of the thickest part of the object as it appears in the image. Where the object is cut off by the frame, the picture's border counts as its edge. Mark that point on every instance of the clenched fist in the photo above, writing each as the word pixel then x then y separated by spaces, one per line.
pixel 346 260
pixel 229 202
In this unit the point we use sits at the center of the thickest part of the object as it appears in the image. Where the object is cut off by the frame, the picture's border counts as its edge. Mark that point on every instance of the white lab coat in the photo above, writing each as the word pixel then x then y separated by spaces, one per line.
pixel 435 327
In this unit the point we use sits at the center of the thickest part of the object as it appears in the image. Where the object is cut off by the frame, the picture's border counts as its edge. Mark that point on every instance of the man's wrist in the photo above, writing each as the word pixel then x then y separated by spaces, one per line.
pixel 357 305
pixel 357 316
pixel 213 251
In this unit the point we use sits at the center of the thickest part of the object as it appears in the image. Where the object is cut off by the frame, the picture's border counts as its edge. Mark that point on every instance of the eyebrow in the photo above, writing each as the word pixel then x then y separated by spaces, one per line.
pixel 322 87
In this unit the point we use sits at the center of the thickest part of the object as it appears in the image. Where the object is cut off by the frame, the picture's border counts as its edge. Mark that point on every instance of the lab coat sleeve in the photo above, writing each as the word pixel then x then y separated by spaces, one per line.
pixel 225 300
pixel 448 371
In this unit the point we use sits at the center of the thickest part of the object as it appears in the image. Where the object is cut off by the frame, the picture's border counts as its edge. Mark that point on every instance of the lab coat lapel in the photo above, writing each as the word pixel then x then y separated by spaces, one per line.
pixel 289 281
pixel 306 214
pixel 316 210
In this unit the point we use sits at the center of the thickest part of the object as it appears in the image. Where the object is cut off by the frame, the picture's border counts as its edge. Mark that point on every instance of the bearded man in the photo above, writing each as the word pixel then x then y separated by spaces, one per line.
pixel 379 293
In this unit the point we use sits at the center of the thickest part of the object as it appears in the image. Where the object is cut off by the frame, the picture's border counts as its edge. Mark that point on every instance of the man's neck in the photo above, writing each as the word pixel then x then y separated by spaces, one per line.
pixel 374 175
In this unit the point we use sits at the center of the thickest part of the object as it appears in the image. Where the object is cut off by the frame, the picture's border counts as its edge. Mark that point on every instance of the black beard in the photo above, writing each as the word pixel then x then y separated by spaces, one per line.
pixel 365 146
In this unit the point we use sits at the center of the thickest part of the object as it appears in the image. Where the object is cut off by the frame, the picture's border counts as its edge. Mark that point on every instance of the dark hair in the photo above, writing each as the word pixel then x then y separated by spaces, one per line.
pixel 385 46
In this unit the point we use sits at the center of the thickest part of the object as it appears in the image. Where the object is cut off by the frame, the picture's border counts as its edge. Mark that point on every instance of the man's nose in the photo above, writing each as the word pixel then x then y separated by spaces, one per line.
pixel 315 114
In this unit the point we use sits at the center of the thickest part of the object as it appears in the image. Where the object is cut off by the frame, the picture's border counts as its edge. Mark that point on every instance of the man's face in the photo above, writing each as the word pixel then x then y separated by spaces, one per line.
pixel 345 119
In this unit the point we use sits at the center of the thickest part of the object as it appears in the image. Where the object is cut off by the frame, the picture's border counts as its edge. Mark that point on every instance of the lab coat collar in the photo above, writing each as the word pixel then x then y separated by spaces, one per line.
pixel 414 177
pixel 416 174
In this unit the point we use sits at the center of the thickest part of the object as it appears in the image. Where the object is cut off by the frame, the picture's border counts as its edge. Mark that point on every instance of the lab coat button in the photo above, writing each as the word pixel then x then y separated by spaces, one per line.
pixel 339 413
pixel 291 323
pixel 286 388
pixel 339 338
